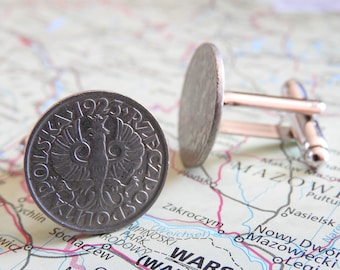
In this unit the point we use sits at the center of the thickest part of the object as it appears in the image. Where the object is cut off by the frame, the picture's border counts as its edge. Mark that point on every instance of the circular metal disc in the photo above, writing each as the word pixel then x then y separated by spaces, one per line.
pixel 201 105
pixel 96 161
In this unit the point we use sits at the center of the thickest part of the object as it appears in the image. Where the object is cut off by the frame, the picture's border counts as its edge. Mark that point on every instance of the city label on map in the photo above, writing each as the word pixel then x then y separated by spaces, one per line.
pixel 33 214
pixel 308 216
pixel 189 214
pixel 309 256
pixel 324 193
pixel 8 243
pixel 277 240
pixel 138 239
pixel 300 254
pixel 184 258
pixel 100 251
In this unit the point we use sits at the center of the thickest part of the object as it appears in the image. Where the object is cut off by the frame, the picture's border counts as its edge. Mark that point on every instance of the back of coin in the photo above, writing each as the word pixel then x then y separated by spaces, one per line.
pixel 201 105
pixel 96 161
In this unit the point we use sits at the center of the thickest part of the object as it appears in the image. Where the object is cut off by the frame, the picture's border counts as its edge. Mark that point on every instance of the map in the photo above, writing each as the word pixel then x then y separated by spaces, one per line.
pixel 254 203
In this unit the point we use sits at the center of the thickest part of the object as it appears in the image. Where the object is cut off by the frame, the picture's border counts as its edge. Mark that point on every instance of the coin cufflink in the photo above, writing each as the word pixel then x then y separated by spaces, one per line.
pixel 201 105
pixel 96 161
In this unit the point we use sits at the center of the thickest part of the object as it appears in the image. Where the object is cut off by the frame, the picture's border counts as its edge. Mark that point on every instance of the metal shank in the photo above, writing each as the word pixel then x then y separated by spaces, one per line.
pixel 294 105
pixel 308 107
pixel 256 130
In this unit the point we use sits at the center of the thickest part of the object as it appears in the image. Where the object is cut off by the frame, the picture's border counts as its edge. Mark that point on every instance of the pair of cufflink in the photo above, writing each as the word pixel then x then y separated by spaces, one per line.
pixel 97 161
pixel 202 99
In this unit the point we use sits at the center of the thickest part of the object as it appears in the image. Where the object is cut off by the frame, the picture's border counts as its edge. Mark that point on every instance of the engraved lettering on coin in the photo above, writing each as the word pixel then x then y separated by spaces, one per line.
pixel 96 161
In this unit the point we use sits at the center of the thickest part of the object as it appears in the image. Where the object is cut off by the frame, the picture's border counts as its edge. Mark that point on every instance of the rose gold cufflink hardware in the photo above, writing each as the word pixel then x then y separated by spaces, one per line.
pixel 201 105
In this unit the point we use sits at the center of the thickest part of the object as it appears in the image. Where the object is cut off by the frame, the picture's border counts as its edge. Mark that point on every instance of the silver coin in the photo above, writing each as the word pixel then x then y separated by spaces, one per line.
pixel 96 162
pixel 201 105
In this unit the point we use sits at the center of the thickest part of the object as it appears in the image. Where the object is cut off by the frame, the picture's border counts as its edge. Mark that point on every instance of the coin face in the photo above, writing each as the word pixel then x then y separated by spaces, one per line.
pixel 96 162
pixel 201 105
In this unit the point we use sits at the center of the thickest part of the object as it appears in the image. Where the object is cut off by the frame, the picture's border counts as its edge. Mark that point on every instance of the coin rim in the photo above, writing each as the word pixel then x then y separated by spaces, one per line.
pixel 36 129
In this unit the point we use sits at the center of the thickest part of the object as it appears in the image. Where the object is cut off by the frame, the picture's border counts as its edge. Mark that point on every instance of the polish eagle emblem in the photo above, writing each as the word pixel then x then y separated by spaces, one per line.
pixel 96 158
